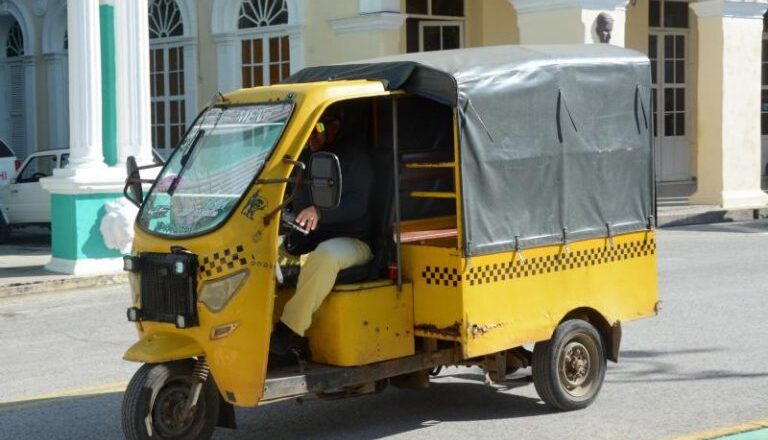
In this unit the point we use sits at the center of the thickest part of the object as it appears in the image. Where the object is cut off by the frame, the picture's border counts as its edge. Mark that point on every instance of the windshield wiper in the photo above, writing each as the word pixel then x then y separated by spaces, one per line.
pixel 184 160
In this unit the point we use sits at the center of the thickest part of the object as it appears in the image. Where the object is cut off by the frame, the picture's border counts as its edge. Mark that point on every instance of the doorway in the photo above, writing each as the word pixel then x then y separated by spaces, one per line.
pixel 668 45
pixel 667 51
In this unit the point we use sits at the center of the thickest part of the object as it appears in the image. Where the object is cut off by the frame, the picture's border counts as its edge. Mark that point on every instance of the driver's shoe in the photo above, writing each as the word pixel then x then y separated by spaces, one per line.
pixel 282 339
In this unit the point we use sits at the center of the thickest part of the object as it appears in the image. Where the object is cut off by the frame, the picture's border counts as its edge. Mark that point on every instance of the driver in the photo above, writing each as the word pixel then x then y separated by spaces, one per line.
pixel 338 238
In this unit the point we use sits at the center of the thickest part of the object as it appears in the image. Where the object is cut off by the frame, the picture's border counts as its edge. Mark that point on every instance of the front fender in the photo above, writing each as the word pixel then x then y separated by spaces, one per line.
pixel 157 348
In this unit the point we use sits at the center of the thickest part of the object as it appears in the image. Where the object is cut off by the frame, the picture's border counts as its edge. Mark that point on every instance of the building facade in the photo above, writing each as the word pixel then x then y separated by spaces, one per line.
pixel 707 59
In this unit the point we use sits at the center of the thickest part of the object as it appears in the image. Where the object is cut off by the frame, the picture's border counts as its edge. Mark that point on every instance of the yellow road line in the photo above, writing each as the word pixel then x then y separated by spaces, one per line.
pixel 113 387
pixel 721 432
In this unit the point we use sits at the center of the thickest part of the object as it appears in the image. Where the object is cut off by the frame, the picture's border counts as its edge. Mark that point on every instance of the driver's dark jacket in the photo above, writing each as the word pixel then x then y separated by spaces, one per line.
pixel 352 217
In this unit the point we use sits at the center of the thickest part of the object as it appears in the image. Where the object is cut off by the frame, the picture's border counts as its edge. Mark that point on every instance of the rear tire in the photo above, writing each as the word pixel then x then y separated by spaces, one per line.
pixel 569 369
pixel 154 399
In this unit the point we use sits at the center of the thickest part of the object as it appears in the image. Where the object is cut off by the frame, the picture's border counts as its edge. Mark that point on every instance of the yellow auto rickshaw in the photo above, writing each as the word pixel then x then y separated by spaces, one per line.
pixel 513 206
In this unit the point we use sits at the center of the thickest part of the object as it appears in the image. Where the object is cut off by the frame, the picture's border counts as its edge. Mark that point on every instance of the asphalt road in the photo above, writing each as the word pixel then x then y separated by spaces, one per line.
pixel 701 364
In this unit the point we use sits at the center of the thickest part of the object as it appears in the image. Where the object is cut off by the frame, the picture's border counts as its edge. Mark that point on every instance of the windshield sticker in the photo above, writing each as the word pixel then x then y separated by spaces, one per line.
pixel 255 203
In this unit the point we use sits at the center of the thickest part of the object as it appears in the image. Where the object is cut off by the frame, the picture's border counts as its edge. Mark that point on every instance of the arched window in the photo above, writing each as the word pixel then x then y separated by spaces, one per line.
pixel 265 50
pixel 14 50
pixel 167 83
pixel 14 46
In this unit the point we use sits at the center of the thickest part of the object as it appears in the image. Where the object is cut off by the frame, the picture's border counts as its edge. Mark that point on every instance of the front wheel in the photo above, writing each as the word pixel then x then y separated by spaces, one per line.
pixel 568 370
pixel 155 404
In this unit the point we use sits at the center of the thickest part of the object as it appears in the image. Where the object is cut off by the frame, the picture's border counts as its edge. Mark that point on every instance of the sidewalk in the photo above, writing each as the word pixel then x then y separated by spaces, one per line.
pixel 23 260
pixel 674 209
pixel 22 267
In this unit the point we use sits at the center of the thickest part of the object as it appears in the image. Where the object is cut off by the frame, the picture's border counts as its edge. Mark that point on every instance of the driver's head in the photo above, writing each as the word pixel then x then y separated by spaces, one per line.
pixel 325 131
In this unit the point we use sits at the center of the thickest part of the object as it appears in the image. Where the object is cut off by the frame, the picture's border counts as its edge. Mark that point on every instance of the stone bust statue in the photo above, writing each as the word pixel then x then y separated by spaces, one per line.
pixel 604 27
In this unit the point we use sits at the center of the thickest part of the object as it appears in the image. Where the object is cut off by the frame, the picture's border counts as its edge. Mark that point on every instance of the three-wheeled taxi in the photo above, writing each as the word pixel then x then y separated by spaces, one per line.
pixel 513 205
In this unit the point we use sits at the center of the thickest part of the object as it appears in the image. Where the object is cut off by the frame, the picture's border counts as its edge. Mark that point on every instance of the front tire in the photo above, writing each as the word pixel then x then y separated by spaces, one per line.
pixel 154 401
pixel 569 369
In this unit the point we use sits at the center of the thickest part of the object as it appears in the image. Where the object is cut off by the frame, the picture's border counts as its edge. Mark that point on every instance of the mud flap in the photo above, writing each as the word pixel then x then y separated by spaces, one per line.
pixel 226 414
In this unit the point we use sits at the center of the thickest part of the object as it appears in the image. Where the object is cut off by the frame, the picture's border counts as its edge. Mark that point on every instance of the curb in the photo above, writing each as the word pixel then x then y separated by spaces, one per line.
pixel 715 216
pixel 45 286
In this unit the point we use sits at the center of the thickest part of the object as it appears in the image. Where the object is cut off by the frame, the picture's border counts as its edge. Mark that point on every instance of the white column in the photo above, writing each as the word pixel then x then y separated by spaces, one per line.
pixel 228 54
pixel 728 115
pixel 5 119
pixel 57 100
pixel 84 88
pixel 134 136
pixel 190 80
pixel 568 21
pixel 30 98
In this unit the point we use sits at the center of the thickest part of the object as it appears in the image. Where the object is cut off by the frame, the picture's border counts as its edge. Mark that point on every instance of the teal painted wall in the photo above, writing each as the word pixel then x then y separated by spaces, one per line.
pixel 108 88
pixel 75 221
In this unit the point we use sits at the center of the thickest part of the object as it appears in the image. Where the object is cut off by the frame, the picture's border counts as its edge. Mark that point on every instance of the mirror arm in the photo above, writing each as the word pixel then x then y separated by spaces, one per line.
pixel 299 181
pixel 133 179
pixel 154 165
pixel 125 194
pixel 128 181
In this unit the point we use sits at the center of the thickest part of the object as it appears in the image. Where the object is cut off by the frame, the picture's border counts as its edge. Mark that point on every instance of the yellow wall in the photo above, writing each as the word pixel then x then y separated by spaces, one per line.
pixel 490 23
pixel 693 97
pixel 552 27
pixel 636 35
pixel 322 46
pixel 711 129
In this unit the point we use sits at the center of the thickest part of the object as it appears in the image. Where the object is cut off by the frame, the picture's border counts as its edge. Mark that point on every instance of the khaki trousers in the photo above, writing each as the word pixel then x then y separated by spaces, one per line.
pixel 319 269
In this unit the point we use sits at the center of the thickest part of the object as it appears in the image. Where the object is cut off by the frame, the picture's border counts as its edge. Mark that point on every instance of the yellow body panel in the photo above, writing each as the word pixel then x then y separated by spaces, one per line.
pixel 239 361
pixel 494 302
pixel 159 347
pixel 360 327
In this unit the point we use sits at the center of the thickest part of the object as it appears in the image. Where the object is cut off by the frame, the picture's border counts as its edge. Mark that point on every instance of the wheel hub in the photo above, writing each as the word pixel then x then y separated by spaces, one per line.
pixel 576 364
pixel 171 417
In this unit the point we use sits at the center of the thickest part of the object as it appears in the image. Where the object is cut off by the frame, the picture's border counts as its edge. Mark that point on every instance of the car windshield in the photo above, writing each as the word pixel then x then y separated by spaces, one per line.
pixel 212 168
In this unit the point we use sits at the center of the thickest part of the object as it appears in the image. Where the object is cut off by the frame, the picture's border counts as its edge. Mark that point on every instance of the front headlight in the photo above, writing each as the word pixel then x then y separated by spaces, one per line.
pixel 215 294
pixel 135 284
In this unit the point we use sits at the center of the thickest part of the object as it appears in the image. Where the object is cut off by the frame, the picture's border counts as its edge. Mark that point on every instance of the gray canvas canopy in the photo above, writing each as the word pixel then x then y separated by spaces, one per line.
pixel 555 141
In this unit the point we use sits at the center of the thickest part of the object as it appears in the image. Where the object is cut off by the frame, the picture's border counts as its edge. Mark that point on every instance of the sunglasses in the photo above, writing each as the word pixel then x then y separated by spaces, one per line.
pixel 321 126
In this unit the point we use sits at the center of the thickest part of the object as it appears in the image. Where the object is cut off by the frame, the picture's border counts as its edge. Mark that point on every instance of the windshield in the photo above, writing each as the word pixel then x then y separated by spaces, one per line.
pixel 212 168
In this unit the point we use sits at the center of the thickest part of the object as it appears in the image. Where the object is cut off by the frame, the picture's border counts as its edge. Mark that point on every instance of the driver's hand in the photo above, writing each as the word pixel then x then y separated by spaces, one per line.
pixel 308 218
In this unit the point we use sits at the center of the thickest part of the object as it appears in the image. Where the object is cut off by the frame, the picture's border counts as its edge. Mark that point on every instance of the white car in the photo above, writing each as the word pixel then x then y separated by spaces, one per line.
pixel 23 201
pixel 8 164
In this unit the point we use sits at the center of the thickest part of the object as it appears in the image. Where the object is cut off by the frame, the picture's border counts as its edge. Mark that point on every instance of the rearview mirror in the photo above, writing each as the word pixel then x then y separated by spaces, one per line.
pixel 133 182
pixel 325 180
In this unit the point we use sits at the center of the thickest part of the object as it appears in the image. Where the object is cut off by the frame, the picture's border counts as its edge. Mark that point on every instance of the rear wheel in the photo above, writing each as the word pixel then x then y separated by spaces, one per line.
pixel 155 401
pixel 568 370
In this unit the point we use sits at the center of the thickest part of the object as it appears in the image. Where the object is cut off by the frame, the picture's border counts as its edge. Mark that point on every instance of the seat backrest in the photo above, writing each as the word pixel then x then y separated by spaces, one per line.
pixel 382 212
